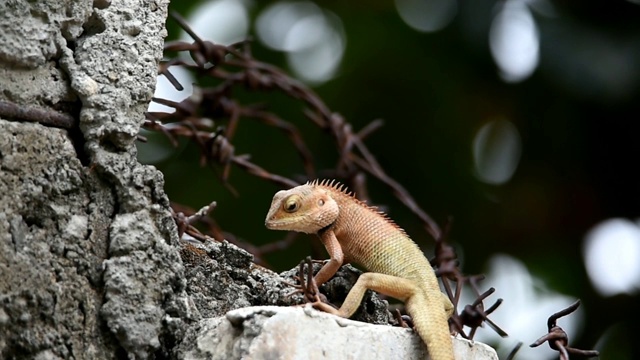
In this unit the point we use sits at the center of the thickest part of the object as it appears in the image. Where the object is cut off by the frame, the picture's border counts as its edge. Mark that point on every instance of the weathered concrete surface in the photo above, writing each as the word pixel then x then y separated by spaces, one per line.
pixel 221 277
pixel 269 332
pixel 52 243
pixel 89 263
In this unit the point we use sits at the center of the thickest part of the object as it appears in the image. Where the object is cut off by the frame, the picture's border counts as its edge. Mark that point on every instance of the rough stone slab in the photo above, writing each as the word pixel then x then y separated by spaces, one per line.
pixel 272 332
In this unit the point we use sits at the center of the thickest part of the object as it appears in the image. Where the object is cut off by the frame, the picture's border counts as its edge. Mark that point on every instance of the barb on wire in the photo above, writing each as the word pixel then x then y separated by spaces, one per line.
pixel 184 221
pixel 514 351
pixel 559 340
pixel 474 315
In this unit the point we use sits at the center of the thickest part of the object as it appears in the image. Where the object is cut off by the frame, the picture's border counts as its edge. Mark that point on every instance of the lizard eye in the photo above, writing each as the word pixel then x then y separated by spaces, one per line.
pixel 292 204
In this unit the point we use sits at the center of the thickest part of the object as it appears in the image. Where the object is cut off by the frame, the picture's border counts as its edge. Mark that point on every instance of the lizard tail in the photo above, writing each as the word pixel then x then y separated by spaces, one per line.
pixel 431 323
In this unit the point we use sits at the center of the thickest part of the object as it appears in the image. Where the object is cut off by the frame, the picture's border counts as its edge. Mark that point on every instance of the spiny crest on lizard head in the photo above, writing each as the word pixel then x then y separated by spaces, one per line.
pixel 334 185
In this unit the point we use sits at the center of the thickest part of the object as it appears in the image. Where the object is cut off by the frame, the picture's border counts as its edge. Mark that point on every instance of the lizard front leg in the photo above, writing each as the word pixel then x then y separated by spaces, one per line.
pixel 336 256
pixel 328 270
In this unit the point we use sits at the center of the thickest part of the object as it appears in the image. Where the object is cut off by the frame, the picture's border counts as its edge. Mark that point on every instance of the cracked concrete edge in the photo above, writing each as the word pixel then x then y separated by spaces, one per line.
pixel 113 71
pixel 79 244
pixel 272 332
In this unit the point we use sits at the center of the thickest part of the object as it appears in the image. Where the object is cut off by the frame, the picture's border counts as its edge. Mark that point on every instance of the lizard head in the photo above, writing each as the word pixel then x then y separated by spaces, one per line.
pixel 305 208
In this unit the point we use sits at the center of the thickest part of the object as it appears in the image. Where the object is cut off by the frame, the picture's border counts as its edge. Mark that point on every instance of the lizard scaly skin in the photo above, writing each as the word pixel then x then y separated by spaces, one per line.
pixel 352 231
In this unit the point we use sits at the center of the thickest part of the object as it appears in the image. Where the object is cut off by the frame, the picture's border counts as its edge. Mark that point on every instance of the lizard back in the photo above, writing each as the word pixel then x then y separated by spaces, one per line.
pixel 369 238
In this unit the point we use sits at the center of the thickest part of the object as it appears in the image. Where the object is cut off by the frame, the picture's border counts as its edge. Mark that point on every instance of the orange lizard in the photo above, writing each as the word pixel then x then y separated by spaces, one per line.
pixel 352 231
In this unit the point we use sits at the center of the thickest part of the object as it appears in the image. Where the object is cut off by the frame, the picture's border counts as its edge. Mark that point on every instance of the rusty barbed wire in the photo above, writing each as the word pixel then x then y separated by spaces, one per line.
pixel 473 315
pixel 514 351
pixel 235 67
pixel 184 217
pixel 46 116
pixel 559 340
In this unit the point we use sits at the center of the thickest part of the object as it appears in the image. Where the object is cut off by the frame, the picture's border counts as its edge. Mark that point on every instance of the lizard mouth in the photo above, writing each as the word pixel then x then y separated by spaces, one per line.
pixel 287 225
pixel 276 224
pixel 273 224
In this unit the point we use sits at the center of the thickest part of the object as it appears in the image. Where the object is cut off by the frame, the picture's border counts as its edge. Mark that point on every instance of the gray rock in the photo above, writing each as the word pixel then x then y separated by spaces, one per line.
pixel 270 332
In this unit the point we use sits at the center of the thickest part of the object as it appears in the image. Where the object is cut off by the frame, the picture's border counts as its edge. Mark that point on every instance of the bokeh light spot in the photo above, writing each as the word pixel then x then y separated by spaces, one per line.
pixel 427 15
pixel 612 256
pixel 222 21
pixel 514 41
pixel 528 303
pixel 496 152
pixel 276 22
pixel 309 30
pixel 313 38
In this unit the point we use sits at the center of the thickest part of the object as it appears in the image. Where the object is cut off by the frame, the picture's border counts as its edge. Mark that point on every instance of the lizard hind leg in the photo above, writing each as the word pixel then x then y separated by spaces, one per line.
pixel 427 313
pixel 396 287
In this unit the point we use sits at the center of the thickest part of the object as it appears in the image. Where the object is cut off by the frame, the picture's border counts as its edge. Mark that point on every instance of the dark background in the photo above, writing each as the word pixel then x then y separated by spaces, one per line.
pixel 434 91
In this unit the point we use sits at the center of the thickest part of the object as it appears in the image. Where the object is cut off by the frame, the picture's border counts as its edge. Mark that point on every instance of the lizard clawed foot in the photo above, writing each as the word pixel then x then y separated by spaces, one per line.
pixel 404 321
pixel 300 278
pixel 297 288
pixel 309 288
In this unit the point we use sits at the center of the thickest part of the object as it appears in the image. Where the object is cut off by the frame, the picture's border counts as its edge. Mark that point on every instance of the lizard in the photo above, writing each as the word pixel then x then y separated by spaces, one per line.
pixel 352 231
